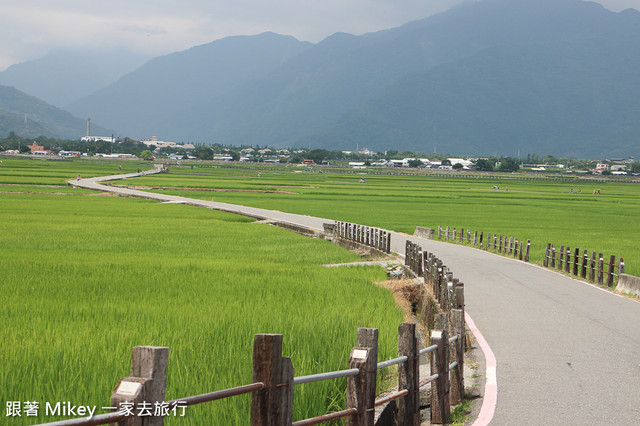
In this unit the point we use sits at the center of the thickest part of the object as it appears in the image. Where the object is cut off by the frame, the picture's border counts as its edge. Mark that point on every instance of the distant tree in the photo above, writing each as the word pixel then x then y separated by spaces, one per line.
pixel 146 155
pixel 635 168
pixel 234 156
pixel 458 166
pixel 414 162
pixel 446 162
pixel 367 163
pixel 606 173
pixel 484 165
pixel 203 152
pixel 317 155
pixel 509 164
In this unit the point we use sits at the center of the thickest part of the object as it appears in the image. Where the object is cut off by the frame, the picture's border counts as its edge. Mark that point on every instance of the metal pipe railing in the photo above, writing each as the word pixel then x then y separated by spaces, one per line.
pixel 393 361
pixel 391 397
pixel 326 417
pixel 428 349
pixel 101 419
pixel 212 396
pixel 429 380
pixel 325 376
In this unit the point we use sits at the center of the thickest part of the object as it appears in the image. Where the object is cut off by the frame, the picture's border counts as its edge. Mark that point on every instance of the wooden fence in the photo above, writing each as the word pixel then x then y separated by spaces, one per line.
pixel 372 237
pixel 273 382
pixel 413 258
pixel 577 264
pixel 449 297
pixel 509 246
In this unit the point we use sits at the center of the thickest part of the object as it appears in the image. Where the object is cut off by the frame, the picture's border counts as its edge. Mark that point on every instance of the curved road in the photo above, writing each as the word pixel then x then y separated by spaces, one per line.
pixel 568 353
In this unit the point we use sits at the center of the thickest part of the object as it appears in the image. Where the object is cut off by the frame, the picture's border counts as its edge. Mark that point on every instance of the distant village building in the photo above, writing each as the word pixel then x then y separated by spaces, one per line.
pixel 38 149
pixel 465 163
pixel 618 167
pixel 164 144
pixel 97 138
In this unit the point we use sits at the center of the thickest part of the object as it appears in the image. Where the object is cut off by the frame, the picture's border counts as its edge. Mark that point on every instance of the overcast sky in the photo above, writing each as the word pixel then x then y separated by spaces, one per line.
pixel 31 28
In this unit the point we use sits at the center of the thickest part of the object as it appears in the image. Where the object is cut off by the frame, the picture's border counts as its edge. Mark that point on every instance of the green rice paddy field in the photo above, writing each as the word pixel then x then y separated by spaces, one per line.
pixel 542 211
pixel 86 278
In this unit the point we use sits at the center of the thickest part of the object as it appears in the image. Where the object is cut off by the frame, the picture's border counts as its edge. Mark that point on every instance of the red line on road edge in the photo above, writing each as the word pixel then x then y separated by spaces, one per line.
pixel 490 398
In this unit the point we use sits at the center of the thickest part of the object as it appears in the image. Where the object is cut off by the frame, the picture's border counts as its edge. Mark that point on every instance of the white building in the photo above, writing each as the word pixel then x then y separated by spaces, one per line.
pixel 97 138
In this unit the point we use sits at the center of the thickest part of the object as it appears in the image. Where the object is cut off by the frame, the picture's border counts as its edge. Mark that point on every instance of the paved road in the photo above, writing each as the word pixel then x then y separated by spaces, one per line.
pixel 567 353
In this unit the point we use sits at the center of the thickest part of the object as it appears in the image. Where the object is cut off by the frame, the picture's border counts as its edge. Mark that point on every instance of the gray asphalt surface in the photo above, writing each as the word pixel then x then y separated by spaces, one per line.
pixel 567 353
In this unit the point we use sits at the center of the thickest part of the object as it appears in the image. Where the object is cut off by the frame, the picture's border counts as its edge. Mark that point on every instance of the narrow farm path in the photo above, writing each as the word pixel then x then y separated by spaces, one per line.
pixel 568 353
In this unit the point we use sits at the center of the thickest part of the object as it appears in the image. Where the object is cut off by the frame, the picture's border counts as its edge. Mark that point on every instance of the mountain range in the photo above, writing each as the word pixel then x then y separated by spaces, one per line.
pixel 489 77
pixel 30 117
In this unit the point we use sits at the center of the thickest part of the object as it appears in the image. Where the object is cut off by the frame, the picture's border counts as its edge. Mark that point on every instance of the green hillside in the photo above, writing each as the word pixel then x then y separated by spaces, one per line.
pixel 28 116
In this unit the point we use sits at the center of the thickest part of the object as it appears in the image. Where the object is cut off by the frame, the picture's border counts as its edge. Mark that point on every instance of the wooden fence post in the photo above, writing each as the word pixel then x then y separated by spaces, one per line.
pixel 612 262
pixel 526 256
pixel 406 253
pixel 437 284
pixel 361 389
pixel 454 234
pixel 368 338
pixel 447 234
pixel 481 235
pixel 621 267
pixel 408 376
pixel 475 239
pixel 552 256
pixel 425 265
pixel 445 302
pixel 147 384
pixel 520 250
pixel 567 262
pixel 585 259
pixel 440 408
pixel 388 243
pixel 495 241
pixel 600 268
pixel 457 375
pixel 273 404
pixel 576 256
pixel 560 258
pixel 592 267
pixel 459 290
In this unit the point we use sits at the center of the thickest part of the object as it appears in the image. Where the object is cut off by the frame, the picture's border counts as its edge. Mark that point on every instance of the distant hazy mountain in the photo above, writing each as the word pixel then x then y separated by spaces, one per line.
pixel 578 99
pixel 140 103
pixel 28 116
pixel 62 77
pixel 487 77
